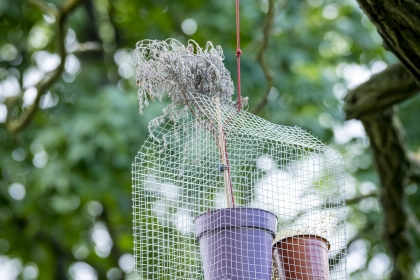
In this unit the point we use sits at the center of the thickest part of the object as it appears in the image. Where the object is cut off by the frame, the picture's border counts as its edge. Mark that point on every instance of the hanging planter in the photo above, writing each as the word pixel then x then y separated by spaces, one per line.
pixel 303 257
pixel 232 172
pixel 235 243
pixel 213 183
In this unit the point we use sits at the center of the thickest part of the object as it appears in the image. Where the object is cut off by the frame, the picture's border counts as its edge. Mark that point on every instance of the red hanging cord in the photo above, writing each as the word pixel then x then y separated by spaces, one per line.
pixel 238 54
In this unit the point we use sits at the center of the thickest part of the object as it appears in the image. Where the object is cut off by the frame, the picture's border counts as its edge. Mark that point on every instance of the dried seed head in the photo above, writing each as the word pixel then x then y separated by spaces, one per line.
pixel 168 67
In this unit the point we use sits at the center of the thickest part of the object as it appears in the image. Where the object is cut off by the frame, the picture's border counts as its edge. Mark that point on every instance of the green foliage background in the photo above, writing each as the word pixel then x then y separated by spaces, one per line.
pixel 74 158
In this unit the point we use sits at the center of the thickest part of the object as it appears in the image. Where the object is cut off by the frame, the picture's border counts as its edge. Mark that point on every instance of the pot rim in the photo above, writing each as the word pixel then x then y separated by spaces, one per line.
pixel 304 236
pixel 220 218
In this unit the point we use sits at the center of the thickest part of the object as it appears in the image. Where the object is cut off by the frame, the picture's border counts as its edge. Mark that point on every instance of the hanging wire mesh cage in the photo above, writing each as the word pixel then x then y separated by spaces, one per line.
pixel 223 194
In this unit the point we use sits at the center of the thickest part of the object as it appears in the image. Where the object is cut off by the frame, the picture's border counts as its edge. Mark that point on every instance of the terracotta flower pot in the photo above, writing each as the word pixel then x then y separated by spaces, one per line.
pixel 302 257
pixel 236 243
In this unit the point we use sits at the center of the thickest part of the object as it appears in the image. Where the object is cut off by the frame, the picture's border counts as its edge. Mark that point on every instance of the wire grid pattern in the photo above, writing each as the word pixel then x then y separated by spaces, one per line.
pixel 178 176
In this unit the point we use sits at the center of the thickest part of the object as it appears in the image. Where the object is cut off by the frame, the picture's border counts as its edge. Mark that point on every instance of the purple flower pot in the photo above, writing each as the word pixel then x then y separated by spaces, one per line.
pixel 236 243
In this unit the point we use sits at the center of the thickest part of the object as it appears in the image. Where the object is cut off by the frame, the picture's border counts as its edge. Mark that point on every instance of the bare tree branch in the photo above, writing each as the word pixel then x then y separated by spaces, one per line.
pixel 61 15
pixel 44 7
pixel 268 73
pixel 359 198
pixel 383 90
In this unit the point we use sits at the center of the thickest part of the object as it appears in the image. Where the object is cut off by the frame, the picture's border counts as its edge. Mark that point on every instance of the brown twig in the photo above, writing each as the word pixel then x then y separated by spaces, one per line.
pixel 61 15
pixel 268 73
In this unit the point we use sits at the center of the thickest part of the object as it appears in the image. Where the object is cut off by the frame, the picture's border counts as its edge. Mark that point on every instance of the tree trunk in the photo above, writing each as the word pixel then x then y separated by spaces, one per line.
pixel 392 163
pixel 398 23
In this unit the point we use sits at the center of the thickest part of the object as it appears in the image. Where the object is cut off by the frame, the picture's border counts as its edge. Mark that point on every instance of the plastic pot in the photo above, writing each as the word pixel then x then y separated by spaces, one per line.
pixel 303 257
pixel 236 243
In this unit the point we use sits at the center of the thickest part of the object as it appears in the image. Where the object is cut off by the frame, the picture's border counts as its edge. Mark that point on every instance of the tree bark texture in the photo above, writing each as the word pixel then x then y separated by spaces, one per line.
pixel 373 103
pixel 398 23
pixel 393 166
pixel 383 90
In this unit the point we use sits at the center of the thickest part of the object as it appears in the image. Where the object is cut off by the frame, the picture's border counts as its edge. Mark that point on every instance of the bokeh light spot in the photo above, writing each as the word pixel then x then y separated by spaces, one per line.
pixel 126 263
pixel 189 26
pixel 17 191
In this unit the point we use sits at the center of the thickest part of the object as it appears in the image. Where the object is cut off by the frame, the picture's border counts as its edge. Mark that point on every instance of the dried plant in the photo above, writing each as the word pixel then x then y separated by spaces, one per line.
pixel 169 67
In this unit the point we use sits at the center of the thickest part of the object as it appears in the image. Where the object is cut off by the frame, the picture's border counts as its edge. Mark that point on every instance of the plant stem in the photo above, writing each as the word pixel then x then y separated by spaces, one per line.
pixel 224 158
